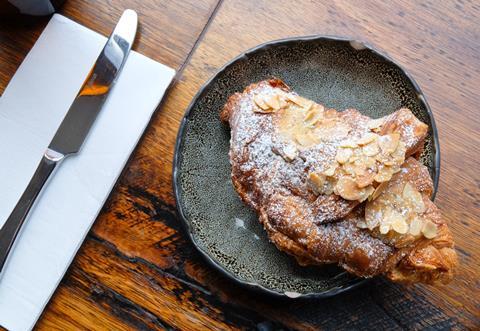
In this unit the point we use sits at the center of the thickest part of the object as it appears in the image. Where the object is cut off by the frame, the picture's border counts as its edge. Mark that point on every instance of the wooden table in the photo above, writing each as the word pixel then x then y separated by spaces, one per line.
pixel 136 269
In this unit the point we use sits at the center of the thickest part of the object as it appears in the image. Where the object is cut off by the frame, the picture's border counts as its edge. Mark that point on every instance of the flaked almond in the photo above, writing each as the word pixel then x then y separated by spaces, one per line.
pixel 367 138
pixel 419 206
pixel 353 159
pixel 260 102
pixel 283 102
pixel 372 214
pixel 388 162
pixel 372 224
pixel 329 134
pixel 359 161
pixel 370 163
pixel 306 139
pixel 371 149
pixel 399 153
pixel 328 188
pixel 340 131
pixel 348 143
pixel 308 105
pixel 343 155
pixel 349 168
pixel 365 180
pixel 317 180
pixel 415 226
pixel 408 192
pixel 362 225
pixel 293 98
pixel 290 152
pixel 348 189
pixel 384 175
pixel 273 101
pixel 381 157
pixel 298 100
pixel 359 168
pixel 390 215
pixel 375 124
pixel 384 228
pixel 313 116
pixel 366 192
pixel 421 263
pixel 380 188
pixel 330 171
pixel 395 168
pixel 399 225
pixel 388 143
pixel 429 230
pixel 413 198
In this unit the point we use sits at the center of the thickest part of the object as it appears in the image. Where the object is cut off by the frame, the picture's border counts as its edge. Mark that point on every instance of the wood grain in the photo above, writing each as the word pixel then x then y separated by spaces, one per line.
pixel 137 270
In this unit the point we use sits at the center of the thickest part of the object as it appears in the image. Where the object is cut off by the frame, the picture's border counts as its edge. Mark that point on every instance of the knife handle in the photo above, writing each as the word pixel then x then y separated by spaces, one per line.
pixel 11 228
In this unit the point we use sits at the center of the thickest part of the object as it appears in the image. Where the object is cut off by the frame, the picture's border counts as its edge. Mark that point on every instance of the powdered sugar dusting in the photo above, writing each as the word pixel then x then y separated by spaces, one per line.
pixel 276 184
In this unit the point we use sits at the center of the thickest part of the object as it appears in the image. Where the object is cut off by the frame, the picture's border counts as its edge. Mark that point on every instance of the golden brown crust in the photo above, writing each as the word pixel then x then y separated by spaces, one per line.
pixel 420 259
pixel 315 228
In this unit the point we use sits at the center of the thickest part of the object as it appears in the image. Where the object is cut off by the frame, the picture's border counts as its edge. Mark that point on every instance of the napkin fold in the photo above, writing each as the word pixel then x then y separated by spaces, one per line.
pixel 31 109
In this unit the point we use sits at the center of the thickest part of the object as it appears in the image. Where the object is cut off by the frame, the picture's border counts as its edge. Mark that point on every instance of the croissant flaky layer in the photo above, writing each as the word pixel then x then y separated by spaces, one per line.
pixel 338 187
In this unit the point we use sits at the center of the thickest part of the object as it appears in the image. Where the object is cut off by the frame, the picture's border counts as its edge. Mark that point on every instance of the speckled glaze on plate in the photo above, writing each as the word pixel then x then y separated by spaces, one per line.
pixel 337 72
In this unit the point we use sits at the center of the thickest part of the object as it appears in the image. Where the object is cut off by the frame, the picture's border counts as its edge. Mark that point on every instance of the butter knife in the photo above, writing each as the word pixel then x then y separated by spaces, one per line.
pixel 75 126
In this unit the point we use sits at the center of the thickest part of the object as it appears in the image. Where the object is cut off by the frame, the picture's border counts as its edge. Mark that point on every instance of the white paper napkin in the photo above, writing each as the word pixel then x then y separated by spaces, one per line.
pixel 31 109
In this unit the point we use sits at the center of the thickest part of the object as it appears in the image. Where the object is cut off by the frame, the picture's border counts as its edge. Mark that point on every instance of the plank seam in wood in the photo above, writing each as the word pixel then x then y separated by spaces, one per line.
pixel 199 39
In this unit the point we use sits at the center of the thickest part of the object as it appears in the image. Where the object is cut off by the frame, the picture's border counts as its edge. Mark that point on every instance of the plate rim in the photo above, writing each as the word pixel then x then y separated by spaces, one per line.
pixel 356 281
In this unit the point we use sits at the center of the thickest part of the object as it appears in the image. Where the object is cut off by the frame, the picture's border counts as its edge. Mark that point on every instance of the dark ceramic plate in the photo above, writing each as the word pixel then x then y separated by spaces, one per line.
pixel 333 71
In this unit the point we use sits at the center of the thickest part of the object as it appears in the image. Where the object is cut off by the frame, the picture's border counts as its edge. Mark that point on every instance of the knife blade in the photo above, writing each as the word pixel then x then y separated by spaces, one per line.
pixel 75 126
